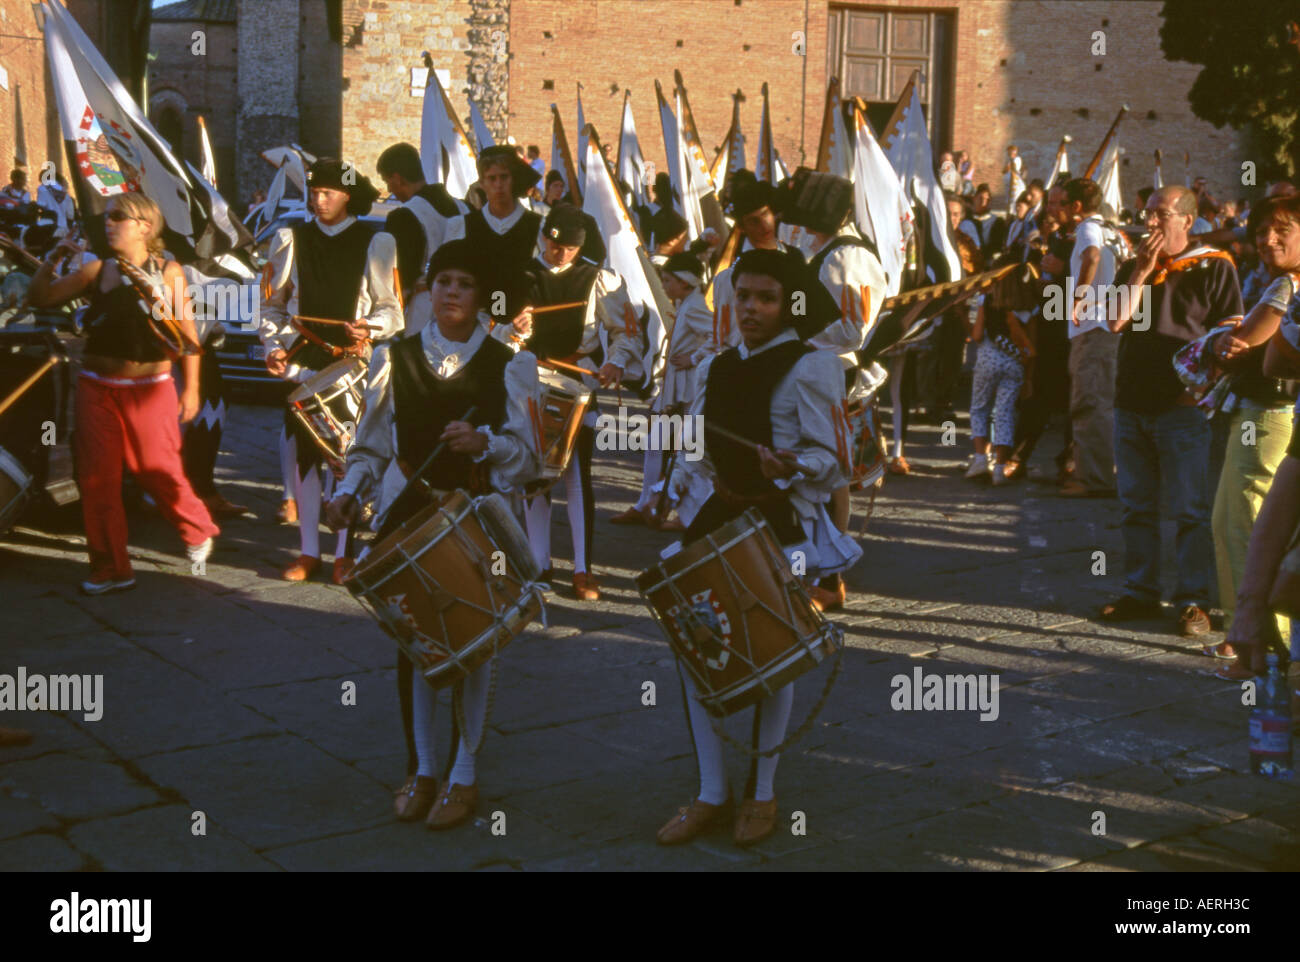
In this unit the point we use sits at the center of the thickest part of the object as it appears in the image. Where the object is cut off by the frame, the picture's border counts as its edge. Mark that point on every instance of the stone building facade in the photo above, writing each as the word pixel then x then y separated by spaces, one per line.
pixel 336 75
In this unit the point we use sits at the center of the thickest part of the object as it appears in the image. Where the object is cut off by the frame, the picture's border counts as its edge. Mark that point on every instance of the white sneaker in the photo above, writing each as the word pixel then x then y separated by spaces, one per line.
pixel 1000 475
pixel 198 553
pixel 978 468
pixel 89 587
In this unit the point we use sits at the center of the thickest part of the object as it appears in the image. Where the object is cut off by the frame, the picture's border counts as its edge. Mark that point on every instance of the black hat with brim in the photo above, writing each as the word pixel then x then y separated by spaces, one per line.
pixel 458 255
pixel 565 225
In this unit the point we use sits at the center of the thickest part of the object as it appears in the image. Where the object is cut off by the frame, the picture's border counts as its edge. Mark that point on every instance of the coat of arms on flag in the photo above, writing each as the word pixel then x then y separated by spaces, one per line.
pixel 107 155
pixel 703 610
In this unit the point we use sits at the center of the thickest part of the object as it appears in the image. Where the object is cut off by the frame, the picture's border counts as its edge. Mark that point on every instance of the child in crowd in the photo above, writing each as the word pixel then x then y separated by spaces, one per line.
pixel 1004 349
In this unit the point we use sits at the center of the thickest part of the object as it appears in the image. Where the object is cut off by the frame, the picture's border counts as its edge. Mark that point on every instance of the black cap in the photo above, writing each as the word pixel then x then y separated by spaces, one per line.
pixel 565 225
pixel 333 173
pixel 749 196
pixel 459 255
pixel 816 200
pixel 684 263
pixel 663 186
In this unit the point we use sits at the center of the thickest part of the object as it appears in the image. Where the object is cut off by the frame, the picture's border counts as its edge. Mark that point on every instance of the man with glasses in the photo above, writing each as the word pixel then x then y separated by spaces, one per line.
pixel 1181 291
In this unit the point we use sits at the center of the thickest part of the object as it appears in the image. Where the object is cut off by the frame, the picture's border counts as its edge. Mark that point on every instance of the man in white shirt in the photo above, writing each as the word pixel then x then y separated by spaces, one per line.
pixel 1093 348
pixel 56 202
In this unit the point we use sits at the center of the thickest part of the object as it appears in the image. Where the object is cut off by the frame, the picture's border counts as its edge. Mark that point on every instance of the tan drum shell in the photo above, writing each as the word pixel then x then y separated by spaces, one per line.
pixel 441 561
pixel 347 376
pixel 776 633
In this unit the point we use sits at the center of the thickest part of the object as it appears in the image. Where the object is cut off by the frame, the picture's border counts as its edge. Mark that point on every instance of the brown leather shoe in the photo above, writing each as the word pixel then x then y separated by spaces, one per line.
pixel 219 508
pixel 691 821
pixel 824 600
pixel 755 821
pixel 342 568
pixel 631 516
pixel 1193 622
pixel 413 800
pixel 301 568
pixel 288 513
pixel 899 465
pixel 13 737
pixel 455 804
pixel 585 587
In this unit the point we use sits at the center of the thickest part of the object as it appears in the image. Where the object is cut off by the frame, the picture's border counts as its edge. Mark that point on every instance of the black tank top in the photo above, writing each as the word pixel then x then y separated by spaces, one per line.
pixel 118 320
pixel 507 255
pixel 330 271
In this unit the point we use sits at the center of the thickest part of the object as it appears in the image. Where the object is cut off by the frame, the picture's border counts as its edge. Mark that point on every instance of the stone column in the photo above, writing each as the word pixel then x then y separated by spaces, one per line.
pixel 267 105
pixel 489 63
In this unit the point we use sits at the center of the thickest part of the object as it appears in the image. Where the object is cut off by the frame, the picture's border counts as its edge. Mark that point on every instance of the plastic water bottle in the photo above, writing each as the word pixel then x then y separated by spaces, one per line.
pixel 1270 726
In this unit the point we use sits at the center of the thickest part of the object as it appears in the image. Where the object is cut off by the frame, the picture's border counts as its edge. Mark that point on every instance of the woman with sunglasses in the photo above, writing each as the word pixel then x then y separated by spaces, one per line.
pixel 126 402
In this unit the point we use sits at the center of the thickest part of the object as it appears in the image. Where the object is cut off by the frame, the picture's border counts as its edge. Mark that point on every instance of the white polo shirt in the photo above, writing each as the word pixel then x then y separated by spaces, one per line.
pixel 1090 233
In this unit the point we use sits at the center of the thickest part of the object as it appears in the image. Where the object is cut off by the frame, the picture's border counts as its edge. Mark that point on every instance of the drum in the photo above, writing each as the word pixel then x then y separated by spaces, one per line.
pixel 15 489
pixel 736 615
pixel 868 446
pixel 453 585
pixel 329 405
pixel 564 403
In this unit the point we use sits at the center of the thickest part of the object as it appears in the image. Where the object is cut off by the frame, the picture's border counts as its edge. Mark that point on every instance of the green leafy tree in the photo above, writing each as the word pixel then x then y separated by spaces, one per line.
pixel 1251 71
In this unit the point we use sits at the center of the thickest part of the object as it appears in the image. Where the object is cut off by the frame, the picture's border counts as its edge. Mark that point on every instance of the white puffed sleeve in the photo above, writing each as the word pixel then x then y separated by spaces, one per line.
pixel 381 302
pixel 808 418
pixel 616 313
pixel 372 448
pixel 856 282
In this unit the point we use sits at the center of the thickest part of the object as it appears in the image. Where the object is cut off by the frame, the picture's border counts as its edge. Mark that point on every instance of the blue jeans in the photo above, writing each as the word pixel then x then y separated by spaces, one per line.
pixel 1172 447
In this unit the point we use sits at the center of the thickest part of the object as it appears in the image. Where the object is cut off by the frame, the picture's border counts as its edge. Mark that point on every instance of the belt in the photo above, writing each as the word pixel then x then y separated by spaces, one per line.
pixel 126 381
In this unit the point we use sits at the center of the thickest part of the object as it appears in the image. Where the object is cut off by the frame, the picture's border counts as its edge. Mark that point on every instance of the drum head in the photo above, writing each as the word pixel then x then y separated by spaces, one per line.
pixel 500 524
pixel 345 370
pixel 554 381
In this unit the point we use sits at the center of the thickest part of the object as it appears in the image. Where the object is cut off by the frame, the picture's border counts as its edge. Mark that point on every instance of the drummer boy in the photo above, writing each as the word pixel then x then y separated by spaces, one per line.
pixel 783 396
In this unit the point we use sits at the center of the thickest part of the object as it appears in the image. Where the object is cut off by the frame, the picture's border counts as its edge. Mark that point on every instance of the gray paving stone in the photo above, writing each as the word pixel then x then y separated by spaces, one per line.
pixel 160 839
pixel 39 853
pixel 21 813
pixel 74 787
pixel 271 791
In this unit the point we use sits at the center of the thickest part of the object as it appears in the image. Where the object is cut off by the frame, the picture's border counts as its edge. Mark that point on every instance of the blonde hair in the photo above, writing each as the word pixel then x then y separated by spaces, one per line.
pixel 142 208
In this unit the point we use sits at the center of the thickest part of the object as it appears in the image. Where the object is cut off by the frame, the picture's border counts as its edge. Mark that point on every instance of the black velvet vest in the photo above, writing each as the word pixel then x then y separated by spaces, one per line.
pixel 507 255
pixel 558 334
pixel 424 404
pixel 738 397
pixel 330 272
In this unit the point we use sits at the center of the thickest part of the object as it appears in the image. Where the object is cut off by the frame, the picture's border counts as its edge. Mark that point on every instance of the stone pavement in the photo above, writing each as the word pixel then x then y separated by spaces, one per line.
pixel 223 695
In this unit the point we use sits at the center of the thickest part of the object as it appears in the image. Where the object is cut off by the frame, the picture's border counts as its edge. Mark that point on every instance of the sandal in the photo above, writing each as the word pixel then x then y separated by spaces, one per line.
pixel 1223 649
pixel 1232 671
pixel 1128 608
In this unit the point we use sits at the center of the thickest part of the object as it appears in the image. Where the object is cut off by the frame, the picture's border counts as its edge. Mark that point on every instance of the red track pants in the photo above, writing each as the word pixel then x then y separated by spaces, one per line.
pixel 131 422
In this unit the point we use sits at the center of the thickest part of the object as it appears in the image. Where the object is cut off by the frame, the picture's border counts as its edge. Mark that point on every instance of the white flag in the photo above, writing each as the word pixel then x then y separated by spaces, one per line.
pixel 1112 200
pixel 631 164
pixel 1060 166
pixel 908 148
pixel 882 209
pixel 208 163
pixel 482 136
pixel 444 149
pixel 627 258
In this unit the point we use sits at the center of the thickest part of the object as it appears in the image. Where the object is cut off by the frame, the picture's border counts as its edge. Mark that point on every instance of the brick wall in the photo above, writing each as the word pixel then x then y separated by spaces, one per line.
pixel 24 60
pixel 613 45
pixel 382 41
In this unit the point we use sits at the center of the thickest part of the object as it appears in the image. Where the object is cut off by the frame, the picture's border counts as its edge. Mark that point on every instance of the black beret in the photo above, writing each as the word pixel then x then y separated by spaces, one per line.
pixel 684 262
pixel 749 196
pixel 337 175
pixel 565 225
pixel 458 255
pixel 816 200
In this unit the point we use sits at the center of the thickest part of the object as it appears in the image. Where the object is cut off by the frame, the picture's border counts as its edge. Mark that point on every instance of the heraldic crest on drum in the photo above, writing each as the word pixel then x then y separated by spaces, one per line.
pixel 703 610
pixel 397 611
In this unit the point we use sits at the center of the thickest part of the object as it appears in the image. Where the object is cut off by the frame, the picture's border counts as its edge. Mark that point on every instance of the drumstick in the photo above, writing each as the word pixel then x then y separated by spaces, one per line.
pixel 745 442
pixel 417 475
pixel 568 367
pixel 326 320
pixel 557 307
pixel 35 376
